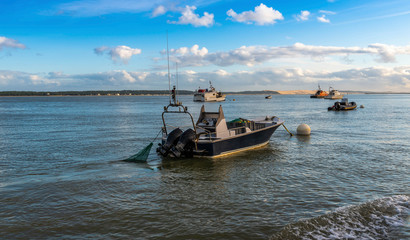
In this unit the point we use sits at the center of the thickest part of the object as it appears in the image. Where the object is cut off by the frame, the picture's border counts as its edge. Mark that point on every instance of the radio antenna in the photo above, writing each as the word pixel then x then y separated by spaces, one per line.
pixel 169 74
pixel 176 69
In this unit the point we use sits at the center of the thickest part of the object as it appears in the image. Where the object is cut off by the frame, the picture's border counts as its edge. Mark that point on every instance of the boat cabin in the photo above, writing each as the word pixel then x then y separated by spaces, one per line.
pixel 213 125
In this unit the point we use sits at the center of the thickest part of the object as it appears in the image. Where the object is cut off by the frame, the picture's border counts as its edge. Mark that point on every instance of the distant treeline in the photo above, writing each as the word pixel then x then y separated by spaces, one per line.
pixel 116 93
pixel 93 93
pixel 254 92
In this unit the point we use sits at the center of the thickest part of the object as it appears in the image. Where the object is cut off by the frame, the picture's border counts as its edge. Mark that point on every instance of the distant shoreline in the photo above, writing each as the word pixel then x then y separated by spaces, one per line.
pixel 166 93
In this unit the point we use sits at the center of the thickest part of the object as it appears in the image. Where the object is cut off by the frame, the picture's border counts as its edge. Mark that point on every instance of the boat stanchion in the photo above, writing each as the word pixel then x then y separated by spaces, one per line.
pixel 287 130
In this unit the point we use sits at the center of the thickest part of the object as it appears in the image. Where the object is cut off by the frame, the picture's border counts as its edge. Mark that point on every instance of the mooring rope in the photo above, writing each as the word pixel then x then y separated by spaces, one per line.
pixel 287 130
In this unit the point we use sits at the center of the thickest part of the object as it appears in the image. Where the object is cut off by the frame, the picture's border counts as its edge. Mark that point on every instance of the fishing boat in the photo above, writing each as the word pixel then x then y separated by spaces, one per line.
pixel 343 105
pixel 208 95
pixel 268 97
pixel 334 94
pixel 212 136
pixel 319 93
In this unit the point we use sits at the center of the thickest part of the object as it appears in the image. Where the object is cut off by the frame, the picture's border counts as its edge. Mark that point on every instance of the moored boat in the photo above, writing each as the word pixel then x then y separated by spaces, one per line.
pixel 212 136
pixel 268 97
pixel 334 94
pixel 208 95
pixel 343 105
pixel 319 93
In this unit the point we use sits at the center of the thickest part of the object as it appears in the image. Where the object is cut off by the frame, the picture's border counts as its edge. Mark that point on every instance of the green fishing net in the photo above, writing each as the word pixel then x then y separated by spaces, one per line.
pixel 141 156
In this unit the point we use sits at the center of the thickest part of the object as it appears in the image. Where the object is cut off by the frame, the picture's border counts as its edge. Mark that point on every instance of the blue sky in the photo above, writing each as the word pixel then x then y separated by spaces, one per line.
pixel 56 45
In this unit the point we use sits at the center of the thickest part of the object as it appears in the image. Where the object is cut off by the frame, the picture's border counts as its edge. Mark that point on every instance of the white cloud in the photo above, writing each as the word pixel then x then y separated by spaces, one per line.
pixel 252 55
pixel 10 43
pixel 196 51
pixel 15 79
pixel 387 53
pixel 222 72
pixel 189 17
pixel 323 19
pixel 190 72
pixel 101 50
pixel 89 8
pixel 365 79
pixel 119 53
pixel 123 53
pixel 275 78
pixel 193 54
pixel 327 12
pixel 303 16
pixel 57 81
pixel 262 15
pixel 117 76
pixel 158 11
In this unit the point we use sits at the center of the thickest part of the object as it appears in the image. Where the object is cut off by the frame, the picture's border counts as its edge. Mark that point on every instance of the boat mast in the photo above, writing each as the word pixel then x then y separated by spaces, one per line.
pixel 169 74
pixel 176 76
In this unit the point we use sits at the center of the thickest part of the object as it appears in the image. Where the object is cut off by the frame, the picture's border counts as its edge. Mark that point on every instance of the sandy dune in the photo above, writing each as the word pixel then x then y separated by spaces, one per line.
pixel 297 92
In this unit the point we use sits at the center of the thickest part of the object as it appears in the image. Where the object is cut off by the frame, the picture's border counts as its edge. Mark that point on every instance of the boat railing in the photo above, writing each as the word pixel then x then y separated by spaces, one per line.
pixel 209 134
pixel 238 130
pixel 179 108
pixel 252 125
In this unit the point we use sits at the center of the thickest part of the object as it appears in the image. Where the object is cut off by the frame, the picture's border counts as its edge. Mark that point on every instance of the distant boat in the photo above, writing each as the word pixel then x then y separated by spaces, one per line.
pixel 334 94
pixel 319 93
pixel 268 97
pixel 343 105
pixel 208 95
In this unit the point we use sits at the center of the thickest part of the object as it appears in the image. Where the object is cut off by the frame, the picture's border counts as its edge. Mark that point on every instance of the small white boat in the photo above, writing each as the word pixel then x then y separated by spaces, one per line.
pixel 268 97
pixel 208 95
pixel 334 94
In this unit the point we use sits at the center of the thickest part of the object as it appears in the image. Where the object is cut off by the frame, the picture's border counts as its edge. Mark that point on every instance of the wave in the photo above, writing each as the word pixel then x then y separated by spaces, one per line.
pixel 383 218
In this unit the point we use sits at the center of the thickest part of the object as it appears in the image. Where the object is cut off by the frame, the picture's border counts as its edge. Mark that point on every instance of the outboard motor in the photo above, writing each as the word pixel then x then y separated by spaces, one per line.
pixel 337 106
pixel 184 144
pixel 172 139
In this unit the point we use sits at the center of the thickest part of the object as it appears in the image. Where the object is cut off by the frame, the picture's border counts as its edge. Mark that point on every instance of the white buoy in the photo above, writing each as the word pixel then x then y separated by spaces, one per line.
pixel 303 129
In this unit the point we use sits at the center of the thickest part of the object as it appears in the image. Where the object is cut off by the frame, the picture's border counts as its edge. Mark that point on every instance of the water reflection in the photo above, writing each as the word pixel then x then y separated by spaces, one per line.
pixel 304 139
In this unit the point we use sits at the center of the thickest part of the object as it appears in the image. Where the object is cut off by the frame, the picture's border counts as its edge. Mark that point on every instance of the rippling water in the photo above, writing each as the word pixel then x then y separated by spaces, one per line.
pixel 61 174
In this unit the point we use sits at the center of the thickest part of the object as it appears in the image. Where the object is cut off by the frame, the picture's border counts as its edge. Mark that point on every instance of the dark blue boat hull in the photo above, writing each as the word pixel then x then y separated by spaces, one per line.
pixel 235 144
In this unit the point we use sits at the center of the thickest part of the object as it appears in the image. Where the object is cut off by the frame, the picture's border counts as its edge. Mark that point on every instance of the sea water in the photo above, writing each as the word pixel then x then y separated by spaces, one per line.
pixel 61 174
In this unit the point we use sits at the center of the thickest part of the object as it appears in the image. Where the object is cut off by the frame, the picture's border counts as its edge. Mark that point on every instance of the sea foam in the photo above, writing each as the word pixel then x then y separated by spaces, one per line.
pixel 383 218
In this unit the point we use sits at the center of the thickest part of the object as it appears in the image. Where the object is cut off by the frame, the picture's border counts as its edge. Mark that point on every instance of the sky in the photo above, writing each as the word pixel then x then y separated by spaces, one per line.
pixel 64 45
